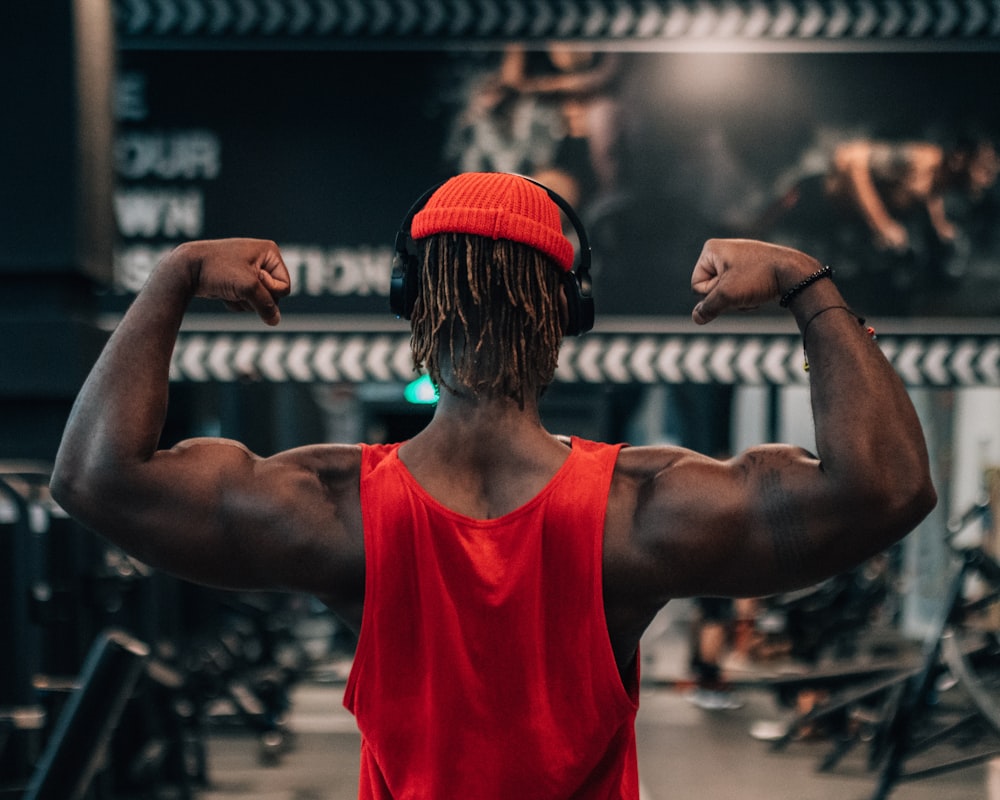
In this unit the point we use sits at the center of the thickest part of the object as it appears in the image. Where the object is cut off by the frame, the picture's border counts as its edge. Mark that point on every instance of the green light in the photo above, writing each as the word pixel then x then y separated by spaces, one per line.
pixel 421 391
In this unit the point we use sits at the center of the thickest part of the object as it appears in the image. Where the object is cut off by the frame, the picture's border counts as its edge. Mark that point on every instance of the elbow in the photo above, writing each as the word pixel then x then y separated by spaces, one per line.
pixel 68 489
pixel 81 488
pixel 917 496
pixel 904 502
pixel 62 484
pixel 925 500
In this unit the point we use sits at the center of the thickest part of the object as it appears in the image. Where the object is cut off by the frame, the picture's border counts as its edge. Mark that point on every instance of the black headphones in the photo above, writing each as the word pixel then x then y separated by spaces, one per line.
pixel 405 279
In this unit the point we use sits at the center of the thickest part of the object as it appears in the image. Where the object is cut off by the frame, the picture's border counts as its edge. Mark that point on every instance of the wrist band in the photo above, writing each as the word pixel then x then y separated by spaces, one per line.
pixel 805 329
pixel 790 295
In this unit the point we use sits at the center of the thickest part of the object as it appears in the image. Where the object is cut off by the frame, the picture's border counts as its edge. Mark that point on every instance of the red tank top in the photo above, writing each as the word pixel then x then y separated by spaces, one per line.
pixel 484 668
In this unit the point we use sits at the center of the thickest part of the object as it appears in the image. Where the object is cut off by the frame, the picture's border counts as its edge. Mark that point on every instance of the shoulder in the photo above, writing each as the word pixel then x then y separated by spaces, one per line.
pixel 642 464
pixel 328 465
pixel 852 151
pixel 646 481
pixel 645 505
pixel 654 489
pixel 316 502
pixel 233 463
pixel 926 156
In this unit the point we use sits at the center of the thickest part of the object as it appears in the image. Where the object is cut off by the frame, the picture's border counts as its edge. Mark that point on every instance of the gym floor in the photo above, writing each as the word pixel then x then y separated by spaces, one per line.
pixel 685 753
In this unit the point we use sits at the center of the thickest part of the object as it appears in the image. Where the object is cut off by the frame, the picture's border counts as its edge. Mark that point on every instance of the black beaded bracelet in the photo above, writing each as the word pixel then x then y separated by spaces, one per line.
pixel 790 295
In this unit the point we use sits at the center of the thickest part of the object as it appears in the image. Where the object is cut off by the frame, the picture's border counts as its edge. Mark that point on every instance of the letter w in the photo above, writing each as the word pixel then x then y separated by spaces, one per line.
pixel 149 213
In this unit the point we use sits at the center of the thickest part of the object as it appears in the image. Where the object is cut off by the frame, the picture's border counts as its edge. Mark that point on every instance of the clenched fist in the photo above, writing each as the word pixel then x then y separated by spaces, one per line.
pixel 245 274
pixel 742 274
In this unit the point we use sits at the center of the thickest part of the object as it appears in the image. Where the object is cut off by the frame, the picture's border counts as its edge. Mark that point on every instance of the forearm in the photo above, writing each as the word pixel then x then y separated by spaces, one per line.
pixel 781 517
pixel 868 437
pixel 116 422
pixel 108 448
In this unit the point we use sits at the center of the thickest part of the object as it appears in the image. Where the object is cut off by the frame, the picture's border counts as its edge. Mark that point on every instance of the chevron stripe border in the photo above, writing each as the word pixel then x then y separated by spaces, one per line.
pixel 922 361
pixel 644 20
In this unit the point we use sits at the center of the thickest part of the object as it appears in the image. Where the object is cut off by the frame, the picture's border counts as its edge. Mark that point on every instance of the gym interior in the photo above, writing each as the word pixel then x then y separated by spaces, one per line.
pixel 134 125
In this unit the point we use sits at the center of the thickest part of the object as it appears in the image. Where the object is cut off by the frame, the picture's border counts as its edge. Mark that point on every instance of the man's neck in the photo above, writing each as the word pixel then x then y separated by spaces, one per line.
pixel 463 413
pixel 483 457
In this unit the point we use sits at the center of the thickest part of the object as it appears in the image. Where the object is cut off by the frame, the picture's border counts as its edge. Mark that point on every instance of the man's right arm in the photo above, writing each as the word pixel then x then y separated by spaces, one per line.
pixel 208 510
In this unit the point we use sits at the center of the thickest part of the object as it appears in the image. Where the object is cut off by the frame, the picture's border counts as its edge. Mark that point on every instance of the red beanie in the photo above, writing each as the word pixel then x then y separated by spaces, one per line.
pixel 500 206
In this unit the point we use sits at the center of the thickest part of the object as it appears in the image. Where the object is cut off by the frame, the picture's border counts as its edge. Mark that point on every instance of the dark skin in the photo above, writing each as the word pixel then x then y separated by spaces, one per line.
pixel 678 524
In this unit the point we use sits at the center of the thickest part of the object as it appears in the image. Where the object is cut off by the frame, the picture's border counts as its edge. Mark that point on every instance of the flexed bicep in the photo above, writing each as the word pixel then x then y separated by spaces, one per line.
pixel 212 512
pixel 764 522
pixel 174 511
pixel 794 523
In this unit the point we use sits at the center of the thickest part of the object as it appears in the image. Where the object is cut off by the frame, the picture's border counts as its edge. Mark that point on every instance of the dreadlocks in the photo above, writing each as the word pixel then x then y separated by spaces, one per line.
pixel 489 310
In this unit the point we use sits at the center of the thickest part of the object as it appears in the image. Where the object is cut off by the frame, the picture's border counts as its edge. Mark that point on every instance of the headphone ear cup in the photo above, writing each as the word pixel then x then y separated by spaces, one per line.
pixel 579 305
pixel 397 287
pixel 586 321
pixel 404 282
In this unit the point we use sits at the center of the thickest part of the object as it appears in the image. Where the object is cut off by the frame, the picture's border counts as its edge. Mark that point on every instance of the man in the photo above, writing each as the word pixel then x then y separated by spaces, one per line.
pixel 879 179
pixel 897 218
pixel 500 577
